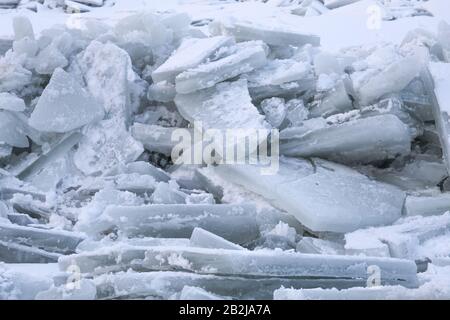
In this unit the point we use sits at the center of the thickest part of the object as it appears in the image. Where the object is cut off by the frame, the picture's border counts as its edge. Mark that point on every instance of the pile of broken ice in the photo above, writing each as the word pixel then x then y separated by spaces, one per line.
pixel 87 180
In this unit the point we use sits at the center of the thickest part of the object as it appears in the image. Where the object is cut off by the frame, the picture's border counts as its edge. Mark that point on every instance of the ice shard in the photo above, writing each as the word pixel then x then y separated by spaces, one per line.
pixel 64 106
pixel 205 239
pixel 299 184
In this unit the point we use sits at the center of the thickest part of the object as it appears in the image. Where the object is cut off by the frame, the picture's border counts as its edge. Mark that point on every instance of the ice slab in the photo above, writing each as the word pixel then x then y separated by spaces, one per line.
pixel 189 54
pixel 148 285
pixel 319 246
pixel 236 223
pixel 401 240
pixel 205 239
pixel 56 151
pixel 136 183
pixel 316 193
pixel 280 78
pixel 142 168
pixel 427 205
pixel 392 79
pixel 269 263
pixel 154 138
pixel 11 102
pixel 276 35
pixel 437 82
pixel 12 252
pixel 12 130
pixel 245 58
pixel 50 240
pixel 357 141
pixel 64 105
pixel 226 106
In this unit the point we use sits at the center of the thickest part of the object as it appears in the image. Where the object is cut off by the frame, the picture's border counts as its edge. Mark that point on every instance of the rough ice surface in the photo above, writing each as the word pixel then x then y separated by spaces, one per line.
pixel 353 111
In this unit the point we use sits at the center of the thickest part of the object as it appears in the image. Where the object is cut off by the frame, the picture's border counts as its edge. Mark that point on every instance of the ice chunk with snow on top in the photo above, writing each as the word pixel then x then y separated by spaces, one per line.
pixel 272 34
pixel 245 57
pixel 64 105
pixel 317 194
pixel 189 54
pixel 401 240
